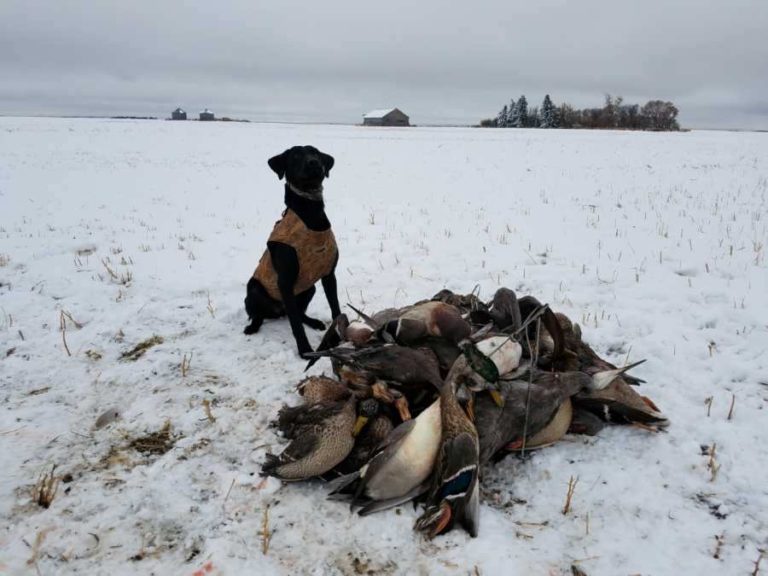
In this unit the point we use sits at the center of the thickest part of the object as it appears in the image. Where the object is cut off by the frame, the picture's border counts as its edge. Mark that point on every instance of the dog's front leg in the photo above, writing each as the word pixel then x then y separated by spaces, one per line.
pixel 294 317
pixel 329 287
pixel 286 264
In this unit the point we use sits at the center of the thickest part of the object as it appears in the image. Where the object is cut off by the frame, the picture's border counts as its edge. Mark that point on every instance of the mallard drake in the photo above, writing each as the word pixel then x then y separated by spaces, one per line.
pixel 323 436
pixel 425 319
pixel 619 402
pixel 543 396
pixel 484 362
pixel 399 470
pixel 446 352
pixel 454 494
pixel 408 367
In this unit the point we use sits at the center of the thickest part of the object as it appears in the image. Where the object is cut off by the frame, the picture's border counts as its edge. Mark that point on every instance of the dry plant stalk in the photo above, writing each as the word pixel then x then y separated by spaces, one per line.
pixel 68 316
pixel 229 491
pixel 712 464
pixel 756 571
pixel 733 403
pixel 45 488
pixel 207 408
pixel 111 272
pixel 39 539
pixel 123 279
pixel 266 535
pixel 186 363
pixel 569 496
pixel 63 328
pixel 211 308
pixel 63 317
pixel 708 402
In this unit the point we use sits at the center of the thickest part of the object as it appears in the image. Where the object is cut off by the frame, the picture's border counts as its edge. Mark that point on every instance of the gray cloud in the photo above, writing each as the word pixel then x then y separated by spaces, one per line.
pixel 334 60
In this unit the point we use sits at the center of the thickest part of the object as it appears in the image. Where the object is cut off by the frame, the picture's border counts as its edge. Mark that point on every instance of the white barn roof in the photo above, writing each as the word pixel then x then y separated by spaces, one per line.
pixel 378 113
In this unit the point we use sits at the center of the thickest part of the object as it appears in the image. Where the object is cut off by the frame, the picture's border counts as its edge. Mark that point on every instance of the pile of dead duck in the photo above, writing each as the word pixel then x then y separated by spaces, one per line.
pixel 423 397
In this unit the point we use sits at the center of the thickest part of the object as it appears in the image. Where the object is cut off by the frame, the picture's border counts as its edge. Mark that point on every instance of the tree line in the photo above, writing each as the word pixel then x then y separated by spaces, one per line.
pixel 653 115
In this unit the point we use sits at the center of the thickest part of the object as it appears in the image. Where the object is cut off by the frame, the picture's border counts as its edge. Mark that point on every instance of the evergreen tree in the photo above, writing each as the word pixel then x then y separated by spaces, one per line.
pixel 502 118
pixel 548 114
pixel 533 118
pixel 510 115
pixel 521 113
pixel 512 119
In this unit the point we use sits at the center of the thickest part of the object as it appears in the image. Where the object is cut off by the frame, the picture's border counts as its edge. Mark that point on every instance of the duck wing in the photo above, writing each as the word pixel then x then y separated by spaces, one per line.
pixel 332 337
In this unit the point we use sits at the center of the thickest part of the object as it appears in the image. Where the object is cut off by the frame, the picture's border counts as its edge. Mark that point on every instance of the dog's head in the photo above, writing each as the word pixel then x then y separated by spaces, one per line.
pixel 303 166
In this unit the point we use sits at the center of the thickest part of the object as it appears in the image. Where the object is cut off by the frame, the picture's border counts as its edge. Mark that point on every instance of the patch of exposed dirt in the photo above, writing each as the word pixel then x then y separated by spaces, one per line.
pixel 141 348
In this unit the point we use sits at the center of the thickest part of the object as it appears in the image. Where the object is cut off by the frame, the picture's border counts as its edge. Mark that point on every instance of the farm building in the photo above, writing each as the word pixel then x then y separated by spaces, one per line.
pixel 178 114
pixel 207 115
pixel 386 117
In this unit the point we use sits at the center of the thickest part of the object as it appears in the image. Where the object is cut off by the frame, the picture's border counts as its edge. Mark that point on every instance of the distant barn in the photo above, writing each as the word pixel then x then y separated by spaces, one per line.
pixel 178 114
pixel 207 115
pixel 387 117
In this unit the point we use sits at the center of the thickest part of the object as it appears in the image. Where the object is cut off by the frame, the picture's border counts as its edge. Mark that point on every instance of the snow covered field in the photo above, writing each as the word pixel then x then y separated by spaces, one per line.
pixel 655 243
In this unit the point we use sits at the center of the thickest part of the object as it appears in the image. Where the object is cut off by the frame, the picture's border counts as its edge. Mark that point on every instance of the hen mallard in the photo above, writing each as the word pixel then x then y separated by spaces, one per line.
pixel 323 436
pixel 376 431
pixel 503 311
pixel 316 389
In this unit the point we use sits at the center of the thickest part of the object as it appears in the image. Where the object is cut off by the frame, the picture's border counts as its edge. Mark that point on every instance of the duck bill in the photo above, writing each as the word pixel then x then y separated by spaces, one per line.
pixel 402 408
pixel 381 391
pixel 359 425
pixel 497 398
pixel 469 407
pixel 446 513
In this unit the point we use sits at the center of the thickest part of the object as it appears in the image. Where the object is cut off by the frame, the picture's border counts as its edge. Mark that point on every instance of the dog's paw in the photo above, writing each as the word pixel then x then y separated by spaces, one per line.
pixel 251 329
pixel 314 323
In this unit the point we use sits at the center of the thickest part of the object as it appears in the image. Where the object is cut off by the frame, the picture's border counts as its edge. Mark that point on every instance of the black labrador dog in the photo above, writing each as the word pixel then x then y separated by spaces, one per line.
pixel 300 251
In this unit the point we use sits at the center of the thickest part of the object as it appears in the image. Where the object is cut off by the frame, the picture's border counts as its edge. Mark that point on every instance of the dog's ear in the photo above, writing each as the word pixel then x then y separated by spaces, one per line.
pixel 277 163
pixel 328 161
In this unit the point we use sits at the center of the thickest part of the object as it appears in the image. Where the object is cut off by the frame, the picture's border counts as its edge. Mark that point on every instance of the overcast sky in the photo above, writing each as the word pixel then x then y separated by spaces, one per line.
pixel 333 60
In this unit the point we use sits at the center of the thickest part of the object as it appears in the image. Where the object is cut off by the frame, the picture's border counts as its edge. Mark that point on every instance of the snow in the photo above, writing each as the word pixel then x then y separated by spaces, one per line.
pixel 655 243
pixel 379 113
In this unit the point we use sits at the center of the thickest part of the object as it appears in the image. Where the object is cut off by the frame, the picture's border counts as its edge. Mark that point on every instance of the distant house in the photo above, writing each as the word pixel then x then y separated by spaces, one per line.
pixel 386 117
pixel 178 114
pixel 207 115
